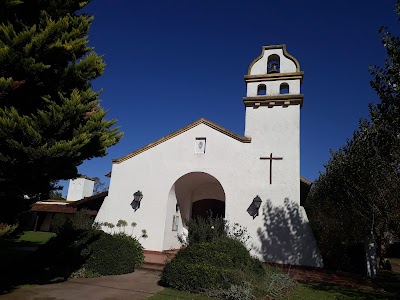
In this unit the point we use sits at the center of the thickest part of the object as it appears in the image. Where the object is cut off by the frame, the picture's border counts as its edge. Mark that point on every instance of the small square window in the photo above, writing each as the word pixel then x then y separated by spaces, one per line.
pixel 200 145
pixel 175 222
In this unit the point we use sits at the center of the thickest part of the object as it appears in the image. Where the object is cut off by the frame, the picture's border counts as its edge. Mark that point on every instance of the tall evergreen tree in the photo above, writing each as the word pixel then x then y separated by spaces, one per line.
pixel 50 117
pixel 386 83
pixel 358 194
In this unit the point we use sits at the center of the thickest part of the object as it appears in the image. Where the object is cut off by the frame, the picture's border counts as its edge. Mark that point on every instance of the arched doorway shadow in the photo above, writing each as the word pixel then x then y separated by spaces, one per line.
pixel 208 207
pixel 193 194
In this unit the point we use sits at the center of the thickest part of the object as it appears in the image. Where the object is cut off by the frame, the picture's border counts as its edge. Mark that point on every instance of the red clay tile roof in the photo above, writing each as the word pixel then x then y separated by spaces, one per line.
pixel 72 206
pixel 53 208
pixel 88 199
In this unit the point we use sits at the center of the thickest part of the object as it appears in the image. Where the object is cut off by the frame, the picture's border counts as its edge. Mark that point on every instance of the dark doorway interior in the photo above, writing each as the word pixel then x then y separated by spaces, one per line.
pixel 203 208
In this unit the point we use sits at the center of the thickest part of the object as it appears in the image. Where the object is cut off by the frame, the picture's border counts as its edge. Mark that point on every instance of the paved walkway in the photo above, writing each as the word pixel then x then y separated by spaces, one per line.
pixel 133 286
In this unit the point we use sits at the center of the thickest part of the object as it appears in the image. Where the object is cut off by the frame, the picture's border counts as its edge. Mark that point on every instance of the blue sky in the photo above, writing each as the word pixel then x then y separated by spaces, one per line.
pixel 170 63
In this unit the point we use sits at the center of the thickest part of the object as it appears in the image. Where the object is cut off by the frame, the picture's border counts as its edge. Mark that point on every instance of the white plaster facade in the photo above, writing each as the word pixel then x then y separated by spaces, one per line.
pixel 80 188
pixel 171 171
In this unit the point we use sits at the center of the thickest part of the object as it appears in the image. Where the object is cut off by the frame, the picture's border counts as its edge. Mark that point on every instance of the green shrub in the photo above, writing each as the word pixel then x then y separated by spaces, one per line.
pixel 197 277
pixel 84 273
pixel 217 263
pixel 62 254
pixel 114 255
pixel 203 230
pixel 60 223
pixel 234 292
pixel 78 221
pixel 223 268
pixel 206 266
pixel 6 230
pixel 93 252
pixel 82 221
pixel 225 252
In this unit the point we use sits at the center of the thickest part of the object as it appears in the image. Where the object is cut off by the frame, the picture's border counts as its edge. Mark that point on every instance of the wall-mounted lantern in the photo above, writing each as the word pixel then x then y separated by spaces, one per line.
pixel 254 207
pixel 177 207
pixel 137 197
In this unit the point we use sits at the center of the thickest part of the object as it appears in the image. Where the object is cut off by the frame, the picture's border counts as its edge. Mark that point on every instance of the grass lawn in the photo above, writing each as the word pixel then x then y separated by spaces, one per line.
pixel 395 264
pixel 396 260
pixel 326 291
pixel 36 237
pixel 317 291
pixel 388 284
pixel 25 239
pixel 170 294
pixel 15 257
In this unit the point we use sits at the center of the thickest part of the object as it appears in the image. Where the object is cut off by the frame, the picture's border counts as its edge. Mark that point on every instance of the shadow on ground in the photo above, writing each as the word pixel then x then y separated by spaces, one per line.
pixel 389 281
pixel 19 266
pixel 26 262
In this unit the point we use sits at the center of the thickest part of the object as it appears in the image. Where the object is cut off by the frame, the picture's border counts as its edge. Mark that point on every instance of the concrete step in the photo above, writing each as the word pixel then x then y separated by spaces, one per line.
pixel 173 251
pixel 155 257
pixel 152 266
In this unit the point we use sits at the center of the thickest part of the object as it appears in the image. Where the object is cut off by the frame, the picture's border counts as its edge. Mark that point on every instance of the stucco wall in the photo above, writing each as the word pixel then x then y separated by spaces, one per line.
pixel 79 188
pixel 280 233
pixel 273 87
pixel 237 167
pixel 156 170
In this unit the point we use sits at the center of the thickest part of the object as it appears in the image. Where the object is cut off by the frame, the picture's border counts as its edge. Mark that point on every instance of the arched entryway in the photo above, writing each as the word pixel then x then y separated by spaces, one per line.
pixel 206 207
pixel 193 194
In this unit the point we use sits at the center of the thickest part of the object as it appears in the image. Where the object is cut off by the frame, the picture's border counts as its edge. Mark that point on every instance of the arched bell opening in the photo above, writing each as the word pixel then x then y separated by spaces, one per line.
pixel 274 64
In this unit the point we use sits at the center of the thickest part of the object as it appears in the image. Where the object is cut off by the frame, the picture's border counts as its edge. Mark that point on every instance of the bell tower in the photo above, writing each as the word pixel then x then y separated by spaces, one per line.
pixel 273 101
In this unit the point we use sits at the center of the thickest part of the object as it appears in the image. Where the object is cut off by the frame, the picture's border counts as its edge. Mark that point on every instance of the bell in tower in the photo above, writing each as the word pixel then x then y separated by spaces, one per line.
pixel 274 67
pixel 273 64
pixel 273 79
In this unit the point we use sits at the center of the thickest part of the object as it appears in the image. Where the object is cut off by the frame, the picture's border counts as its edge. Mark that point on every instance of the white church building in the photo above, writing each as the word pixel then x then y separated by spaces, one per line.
pixel 251 179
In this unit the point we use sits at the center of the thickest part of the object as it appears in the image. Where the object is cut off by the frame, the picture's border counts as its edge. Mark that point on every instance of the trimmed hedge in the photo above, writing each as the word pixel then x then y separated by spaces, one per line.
pixel 62 223
pixel 91 252
pixel 224 269
pixel 181 275
pixel 62 254
pixel 205 266
pixel 225 253
pixel 114 255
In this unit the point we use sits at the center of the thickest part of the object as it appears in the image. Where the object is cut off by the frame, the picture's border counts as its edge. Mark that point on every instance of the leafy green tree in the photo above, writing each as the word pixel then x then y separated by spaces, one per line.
pixel 386 81
pixel 50 116
pixel 99 186
pixel 56 195
pixel 357 195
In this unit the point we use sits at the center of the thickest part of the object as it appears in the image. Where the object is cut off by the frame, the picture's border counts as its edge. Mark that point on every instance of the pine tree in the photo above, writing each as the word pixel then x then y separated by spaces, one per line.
pixel 50 117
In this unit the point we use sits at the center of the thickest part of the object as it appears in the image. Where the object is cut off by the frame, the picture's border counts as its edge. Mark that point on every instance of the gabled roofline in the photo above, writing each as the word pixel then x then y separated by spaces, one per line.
pixel 305 180
pixel 225 131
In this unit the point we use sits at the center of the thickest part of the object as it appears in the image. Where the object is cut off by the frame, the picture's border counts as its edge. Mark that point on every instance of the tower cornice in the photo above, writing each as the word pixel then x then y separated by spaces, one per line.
pixel 276 100
pixel 274 76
